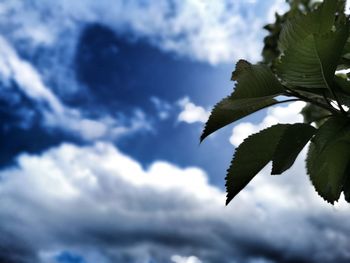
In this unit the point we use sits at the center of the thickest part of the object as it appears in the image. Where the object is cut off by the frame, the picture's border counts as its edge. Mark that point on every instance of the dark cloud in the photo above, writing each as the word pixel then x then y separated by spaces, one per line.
pixel 95 201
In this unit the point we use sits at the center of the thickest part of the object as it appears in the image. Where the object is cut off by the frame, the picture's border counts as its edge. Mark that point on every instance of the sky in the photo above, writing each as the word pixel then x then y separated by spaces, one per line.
pixel 102 107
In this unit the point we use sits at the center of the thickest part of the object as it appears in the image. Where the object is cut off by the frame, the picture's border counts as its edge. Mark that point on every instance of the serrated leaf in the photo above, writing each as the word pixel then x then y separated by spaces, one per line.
pixel 329 49
pixel 252 155
pixel 319 21
pixel 290 145
pixel 228 111
pixel 312 113
pixel 333 128
pixel 255 81
pixel 311 63
pixel 346 186
pixel 328 172
pixel 325 161
pixel 295 30
pixel 256 86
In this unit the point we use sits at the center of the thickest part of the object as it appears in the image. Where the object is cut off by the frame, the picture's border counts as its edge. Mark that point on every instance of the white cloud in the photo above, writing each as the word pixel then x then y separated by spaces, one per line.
pixel 95 201
pixel 192 113
pixel 278 7
pixel 179 259
pixel 277 114
pixel 211 31
pixel 163 108
pixel 55 113
pixel 27 78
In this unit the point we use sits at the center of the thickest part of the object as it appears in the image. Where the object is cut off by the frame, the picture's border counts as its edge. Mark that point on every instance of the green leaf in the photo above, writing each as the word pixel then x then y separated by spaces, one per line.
pixel 329 169
pixel 319 21
pixel 290 145
pixel 255 81
pixel 329 49
pixel 332 129
pixel 252 155
pixel 311 62
pixel 328 157
pixel 229 110
pixel 325 15
pixel 346 50
pixel 343 84
pixel 342 87
pixel 346 187
pixel 255 89
pixel 312 113
pixel 295 30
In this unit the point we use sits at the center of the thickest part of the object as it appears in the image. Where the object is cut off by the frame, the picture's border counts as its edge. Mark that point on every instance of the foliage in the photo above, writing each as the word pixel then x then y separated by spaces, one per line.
pixel 303 53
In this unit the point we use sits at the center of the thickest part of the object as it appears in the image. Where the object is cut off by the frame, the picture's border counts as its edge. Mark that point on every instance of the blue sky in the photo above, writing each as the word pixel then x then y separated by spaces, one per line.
pixel 102 106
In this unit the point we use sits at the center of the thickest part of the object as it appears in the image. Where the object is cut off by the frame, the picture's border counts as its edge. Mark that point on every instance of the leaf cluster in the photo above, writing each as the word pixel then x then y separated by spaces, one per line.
pixel 303 53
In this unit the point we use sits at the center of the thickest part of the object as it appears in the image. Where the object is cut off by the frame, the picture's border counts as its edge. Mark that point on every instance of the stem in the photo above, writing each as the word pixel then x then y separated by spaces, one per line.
pixel 326 99
pixel 337 100
pixel 321 118
pixel 304 98
pixel 290 100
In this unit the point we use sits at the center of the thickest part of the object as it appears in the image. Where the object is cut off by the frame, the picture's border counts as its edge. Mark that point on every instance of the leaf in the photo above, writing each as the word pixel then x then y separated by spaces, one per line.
pixel 329 49
pixel 328 171
pixel 333 128
pixel 311 63
pixel 290 145
pixel 252 155
pixel 229 110
pixel 295 30
pixel 325 15
pixel 327 158
pixel 312 113
pixel 319 21
pixel 255 81
pixel 343 84
pixel 256 86
pixel 346 186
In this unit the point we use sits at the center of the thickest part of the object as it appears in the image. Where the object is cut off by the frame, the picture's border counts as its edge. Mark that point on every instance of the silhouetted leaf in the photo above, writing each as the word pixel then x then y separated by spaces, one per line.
pixel 256 86
pixel 328 157
pixel 228 111
pixel 346 187
pixel 250 157
pixel 319 21
pixel 255 81
pixel 290 145
pixel 312 113
pixel 303 50
pixel 328 172
pixel 311 62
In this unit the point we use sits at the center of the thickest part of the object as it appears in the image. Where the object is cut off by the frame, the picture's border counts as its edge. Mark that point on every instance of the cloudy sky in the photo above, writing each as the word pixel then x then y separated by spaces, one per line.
pixel 102 106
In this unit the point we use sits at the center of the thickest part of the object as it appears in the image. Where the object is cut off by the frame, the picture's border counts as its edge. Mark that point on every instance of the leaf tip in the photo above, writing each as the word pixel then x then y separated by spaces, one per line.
pixel 228 199
pixel 241 66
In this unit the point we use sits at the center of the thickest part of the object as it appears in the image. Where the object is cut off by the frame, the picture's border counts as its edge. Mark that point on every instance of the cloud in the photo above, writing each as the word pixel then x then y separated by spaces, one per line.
pixel 163 108
pixel 55 114
pixel 279 114
pixel 96 202
pixel 192 113
pixel 37 53
pixel 210 31
pixel 179 259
